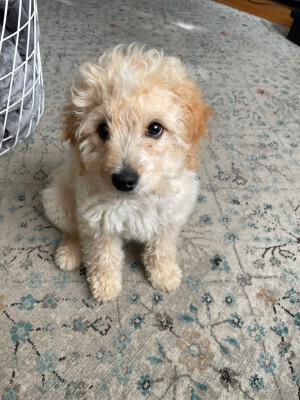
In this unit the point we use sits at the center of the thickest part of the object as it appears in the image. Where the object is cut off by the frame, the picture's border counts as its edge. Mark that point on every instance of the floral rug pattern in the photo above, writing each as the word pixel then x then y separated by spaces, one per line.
pixel 231 331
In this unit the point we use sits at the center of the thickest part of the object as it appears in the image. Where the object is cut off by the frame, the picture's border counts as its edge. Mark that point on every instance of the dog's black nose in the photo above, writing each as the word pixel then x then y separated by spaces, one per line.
pixel 125 180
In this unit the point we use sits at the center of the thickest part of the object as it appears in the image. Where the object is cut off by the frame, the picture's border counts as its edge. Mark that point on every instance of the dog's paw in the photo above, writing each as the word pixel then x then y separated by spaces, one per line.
pixel 105 286
pixel 68 254
pixel 165 277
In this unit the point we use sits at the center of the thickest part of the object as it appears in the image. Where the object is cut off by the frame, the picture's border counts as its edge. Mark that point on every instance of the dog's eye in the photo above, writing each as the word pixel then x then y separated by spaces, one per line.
pixel 103 131
pixel 154 130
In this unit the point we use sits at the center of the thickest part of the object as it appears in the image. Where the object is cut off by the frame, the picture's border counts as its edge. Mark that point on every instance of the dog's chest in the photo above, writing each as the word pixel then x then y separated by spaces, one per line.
pixel 140 219
pixel 131 219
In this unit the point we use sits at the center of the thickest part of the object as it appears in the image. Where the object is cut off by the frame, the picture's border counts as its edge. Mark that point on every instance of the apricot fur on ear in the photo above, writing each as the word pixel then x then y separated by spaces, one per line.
pixel 195 117
pixel 82 97
pixel 71 123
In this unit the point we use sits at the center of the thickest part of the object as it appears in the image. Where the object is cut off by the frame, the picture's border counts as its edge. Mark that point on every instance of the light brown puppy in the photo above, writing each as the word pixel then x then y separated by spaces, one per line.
pixel 134 121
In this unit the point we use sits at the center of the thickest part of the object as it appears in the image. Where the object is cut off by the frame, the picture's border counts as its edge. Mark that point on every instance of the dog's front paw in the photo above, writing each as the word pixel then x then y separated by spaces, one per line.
pixel 105 286
pixel 68 254
pixel 165 277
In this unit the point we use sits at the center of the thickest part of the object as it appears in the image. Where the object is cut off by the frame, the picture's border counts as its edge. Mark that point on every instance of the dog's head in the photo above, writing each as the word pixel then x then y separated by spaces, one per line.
pixel 134 120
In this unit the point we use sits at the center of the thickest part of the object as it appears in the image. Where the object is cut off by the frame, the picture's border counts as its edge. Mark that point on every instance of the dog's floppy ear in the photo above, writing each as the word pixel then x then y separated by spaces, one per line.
pixel 70 123
pixel 84 95
pixel 81 99
pixel 195 114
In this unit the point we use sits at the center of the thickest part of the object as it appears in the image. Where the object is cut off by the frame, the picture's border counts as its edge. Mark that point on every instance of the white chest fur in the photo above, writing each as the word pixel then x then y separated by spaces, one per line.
pixel 138 218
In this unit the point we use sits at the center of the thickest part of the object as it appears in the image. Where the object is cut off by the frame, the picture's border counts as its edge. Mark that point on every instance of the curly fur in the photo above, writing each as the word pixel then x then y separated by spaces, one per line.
pixel 128 88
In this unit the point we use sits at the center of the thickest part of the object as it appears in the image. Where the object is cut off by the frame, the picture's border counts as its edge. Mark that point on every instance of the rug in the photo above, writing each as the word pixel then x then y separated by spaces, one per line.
pixel 231 331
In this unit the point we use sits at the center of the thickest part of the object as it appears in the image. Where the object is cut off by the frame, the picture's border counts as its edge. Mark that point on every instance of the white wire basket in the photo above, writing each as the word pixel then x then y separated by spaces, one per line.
pixel 21 81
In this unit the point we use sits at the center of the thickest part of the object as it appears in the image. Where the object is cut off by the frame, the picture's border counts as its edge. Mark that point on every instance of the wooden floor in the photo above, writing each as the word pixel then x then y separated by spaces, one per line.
pixel 268 9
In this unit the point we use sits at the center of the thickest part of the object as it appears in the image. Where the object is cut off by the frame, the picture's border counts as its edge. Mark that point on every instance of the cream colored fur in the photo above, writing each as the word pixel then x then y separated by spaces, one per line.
pixel 128 88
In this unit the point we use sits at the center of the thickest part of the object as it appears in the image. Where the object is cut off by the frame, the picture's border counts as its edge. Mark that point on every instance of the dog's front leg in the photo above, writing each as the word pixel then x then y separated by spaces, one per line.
pixel 103 258
pixel 159 258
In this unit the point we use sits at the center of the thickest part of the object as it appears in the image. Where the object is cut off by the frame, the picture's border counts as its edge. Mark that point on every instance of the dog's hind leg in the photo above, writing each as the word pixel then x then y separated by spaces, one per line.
pixel 59 204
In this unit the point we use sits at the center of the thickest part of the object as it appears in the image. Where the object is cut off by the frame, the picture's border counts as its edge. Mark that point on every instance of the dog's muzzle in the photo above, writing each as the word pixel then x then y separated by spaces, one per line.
pixel 125 180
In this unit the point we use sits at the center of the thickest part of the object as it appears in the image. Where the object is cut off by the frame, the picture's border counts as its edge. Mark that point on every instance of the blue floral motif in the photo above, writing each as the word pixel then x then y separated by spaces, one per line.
pixel 256 331
pixel 71 389
pixel 47 362
pixel 18 238
pixel 145 385
pixel 244 279
pixel 225 219
pixel 133 297
pixel 252 225
pixel 259 264
pixel 123 372
pixel 219 262
pixel 100 355
pixel 20 196
pixel 283 349
pixel 12 394
pixel 229 300
pixel 31 239
pixel 137 320
pixel 289 275
pixel 234 200
pixel 74 357
pixel 279 328
pixel 49 327
pixel 79 325
pixel 256 382
pixel 157 298
pixel 194 396
pixel 20 331
pixel 293 296
pixel 90 302
pixel 61 280
pixel 206 219
pixel 201 199
pixel 34 280
pixel 104 386
pixel 231 237
pixel 275 262
pixel 122 339
pixel 193 283
pixel 27 302
pixel 50 302
pixel 44 239
pixel 12 209
pixel 236 321
pixel 134 266
pixel 189 318
pixel 268 206
pixel 267 362
pixel 207 299
pixel 252 189
pixel 297 320
pixel 232 341
pixel 154 360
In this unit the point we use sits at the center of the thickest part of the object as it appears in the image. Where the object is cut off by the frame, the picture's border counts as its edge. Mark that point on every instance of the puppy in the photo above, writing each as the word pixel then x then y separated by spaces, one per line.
pixel 134 121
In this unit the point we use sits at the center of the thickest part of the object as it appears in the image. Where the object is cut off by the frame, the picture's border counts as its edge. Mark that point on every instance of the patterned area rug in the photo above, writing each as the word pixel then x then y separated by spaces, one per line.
pixel 232 329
